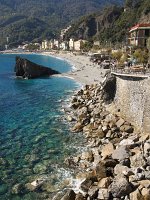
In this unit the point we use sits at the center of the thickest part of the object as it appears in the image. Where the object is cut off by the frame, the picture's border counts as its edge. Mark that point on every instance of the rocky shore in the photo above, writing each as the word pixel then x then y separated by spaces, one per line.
pixel 116 162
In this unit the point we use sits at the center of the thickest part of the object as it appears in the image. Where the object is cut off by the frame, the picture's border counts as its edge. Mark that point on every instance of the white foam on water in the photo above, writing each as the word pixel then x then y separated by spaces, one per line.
pixel 76 185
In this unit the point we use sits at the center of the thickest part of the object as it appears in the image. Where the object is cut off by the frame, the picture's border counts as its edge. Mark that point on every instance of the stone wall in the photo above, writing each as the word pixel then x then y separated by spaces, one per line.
pixel 133 99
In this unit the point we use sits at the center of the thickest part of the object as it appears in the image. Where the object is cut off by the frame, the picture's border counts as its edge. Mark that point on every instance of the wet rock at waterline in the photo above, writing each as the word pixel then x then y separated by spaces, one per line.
pixel 27 69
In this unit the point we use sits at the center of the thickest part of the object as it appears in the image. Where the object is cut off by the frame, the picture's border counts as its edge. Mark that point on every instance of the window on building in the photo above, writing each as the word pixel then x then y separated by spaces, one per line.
pixel 147 32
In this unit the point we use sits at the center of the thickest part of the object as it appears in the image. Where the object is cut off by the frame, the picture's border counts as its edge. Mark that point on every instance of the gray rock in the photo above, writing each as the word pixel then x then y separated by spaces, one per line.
pixel 100 170
pixel 137 160
pixel 105 129
pixel 148 160
pixel 59 195
pixel 70 195
pixel 126 142
pixel 28 69
pixel 77 127
pixel 110 163
pixel 127 128
pixel 35 185
pixel 147 175
pixel 120 169
pixel 121 153
pixel 120 122
pixel 147 148
pixel 85 185
pixel 69 118
pixel 107 150
pixel 136 195
pixel 100 134
pixel 145 183
pixel 136 177
pixel 145 193
pixel 103 194
pixel 80 197
pixel 87 156
pixel 105 182
pixel 93 192
pixel 120 187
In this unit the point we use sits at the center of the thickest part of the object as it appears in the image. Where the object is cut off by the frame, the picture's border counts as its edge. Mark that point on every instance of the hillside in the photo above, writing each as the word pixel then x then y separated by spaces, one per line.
pixel 38 19
pixel 112 23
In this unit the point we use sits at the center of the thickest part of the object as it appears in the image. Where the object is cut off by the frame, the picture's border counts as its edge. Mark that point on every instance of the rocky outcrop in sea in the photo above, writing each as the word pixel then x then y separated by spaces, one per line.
pixel 27 69
pixel 116 162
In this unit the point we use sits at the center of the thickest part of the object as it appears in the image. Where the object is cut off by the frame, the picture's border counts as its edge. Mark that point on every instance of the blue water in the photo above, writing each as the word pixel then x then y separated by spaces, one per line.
pixel 34 138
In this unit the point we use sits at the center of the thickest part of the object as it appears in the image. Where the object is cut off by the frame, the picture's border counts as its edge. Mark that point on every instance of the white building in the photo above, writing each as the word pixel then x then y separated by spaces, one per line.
pixel 71 44
pixel 45 44
pixel 56 44
pixel 78 45
pixel 64 45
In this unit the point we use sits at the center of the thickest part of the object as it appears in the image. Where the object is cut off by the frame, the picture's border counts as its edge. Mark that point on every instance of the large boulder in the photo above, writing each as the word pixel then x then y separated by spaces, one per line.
pixel 29 70
pixel 120 187
pixel 70 195
pixel 109 88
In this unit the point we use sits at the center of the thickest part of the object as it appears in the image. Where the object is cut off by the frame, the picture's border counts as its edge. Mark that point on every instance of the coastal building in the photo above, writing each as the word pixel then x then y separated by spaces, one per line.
pixel 96 43
pixel 45 45
pixel 139 34
pixel 71 44
pixel 48 45
pixel 78 45
pixel 56 44
pixel 64 45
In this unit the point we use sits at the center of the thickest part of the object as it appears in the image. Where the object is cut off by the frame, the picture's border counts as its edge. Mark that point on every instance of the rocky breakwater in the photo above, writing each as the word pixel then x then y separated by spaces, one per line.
pixel 115 164
pixel 28 70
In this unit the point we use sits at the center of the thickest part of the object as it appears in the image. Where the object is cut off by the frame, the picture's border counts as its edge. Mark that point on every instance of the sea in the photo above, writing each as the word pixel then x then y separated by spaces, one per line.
pixel 35 138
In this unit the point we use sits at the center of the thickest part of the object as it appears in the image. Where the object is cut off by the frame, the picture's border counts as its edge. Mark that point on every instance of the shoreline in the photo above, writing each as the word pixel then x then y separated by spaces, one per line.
pixel 83 70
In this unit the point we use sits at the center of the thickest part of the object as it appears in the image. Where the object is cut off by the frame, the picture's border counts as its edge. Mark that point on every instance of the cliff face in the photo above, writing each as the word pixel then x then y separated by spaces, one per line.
pixel 112 23
pixel 92 25
pixel 29 70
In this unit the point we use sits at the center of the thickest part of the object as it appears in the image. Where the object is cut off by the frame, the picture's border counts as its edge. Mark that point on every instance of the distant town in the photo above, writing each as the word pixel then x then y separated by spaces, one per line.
pixel 138 36
pixel 135 50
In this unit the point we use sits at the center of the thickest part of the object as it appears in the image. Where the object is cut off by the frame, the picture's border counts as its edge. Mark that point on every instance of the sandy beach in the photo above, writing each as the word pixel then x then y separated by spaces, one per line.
pixel 83 71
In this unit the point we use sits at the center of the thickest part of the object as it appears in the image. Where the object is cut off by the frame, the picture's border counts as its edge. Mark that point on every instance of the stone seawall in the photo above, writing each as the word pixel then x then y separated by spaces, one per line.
pixel 133 99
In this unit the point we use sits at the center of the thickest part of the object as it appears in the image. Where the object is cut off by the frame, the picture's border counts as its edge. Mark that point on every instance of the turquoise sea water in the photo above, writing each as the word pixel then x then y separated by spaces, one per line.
pixel 34 138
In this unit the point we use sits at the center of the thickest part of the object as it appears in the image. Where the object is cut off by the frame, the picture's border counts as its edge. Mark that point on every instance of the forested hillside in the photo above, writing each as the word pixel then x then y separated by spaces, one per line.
pixel 111 24
pixel 36 19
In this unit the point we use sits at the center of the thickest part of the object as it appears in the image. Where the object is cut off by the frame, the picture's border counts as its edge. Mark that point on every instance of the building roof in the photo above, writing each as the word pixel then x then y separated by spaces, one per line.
pixel 140 26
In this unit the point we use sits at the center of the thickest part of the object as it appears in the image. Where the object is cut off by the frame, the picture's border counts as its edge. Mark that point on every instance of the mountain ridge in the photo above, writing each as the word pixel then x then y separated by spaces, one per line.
pixel 17 16
pixel 112 24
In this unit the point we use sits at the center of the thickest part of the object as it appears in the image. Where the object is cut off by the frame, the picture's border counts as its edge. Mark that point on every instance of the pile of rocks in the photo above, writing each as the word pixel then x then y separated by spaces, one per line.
pixel 116 163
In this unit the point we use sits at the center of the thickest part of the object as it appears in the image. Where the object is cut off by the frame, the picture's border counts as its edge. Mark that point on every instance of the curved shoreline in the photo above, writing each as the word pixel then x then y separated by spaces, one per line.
pixel 83 70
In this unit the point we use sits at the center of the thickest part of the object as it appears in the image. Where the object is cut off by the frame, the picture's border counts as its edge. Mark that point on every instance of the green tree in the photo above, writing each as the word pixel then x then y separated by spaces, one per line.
pixel 128 3
pixel 86 46
pixel 117 55
pixel 141 56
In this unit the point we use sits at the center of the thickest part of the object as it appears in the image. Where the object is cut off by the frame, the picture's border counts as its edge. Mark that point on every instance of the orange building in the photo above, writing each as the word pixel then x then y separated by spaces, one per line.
pixel 139 34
